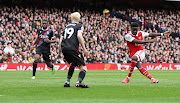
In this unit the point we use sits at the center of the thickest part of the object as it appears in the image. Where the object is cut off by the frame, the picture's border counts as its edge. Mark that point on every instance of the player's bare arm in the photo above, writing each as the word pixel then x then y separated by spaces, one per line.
pixel 167 33
pixel 60 43
pixel 36 40
pixel 81 41
pixel 53 40
pixel 143 41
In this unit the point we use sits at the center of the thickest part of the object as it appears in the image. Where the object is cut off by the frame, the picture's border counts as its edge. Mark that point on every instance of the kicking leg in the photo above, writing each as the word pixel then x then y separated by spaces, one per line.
pixel 145 73
pixel 133 64
pixel 37 57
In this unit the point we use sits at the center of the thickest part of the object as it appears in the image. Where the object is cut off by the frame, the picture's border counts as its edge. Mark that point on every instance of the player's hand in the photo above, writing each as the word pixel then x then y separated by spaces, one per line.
pixel 85 52
pixel 46 40
pixel 167 33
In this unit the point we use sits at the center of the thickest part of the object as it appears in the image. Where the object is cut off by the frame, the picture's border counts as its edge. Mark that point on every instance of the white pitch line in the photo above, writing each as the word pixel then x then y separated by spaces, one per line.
pixel 1 95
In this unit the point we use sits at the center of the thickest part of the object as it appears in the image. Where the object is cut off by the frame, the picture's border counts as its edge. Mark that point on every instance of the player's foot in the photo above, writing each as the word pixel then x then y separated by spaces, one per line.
pixel 81 85
pixel 53 69
pixel 155 81
pixel 33 77
pixel 126 80
pixel 66 84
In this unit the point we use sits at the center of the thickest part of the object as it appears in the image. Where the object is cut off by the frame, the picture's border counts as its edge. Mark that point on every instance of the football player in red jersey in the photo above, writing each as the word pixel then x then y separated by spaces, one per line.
pixel 134 40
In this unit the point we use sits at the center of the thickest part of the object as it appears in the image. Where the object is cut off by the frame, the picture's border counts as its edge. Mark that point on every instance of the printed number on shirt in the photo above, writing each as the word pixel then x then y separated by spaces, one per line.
pixel 68 33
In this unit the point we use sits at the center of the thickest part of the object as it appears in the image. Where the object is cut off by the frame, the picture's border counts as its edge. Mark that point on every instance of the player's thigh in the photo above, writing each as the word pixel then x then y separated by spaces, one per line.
pixel 140 55
pixel 83 68
pixel 139 64
pixel 47 57
pixel 78 59
pixel 74 57
pixel 67 56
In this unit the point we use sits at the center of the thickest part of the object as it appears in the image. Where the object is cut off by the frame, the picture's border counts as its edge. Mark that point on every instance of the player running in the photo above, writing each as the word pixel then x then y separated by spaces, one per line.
pixel 69 43
pixel 135 39
pixel 43 40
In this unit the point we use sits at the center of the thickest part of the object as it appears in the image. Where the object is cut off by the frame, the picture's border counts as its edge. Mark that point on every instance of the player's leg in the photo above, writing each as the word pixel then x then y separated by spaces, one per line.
pixel 67 57
pixel 47 59
pixel 78 60
pixel 82 74
pixel 70 73
pixel 143 70
pixel 133 64
pixel 36 60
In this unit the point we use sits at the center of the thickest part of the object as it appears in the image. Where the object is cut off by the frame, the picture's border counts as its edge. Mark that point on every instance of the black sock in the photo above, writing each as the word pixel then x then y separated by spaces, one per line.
pixel 34 68
pixel 70 73
pixel 51 66
pixel 82 74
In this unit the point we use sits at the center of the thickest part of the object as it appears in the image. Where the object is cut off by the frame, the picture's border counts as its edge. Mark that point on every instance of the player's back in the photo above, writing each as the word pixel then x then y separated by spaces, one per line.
pixel 70 40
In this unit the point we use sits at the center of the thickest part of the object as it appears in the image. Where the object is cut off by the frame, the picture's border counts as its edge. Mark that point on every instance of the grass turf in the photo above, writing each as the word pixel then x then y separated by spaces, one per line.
pixel 105 87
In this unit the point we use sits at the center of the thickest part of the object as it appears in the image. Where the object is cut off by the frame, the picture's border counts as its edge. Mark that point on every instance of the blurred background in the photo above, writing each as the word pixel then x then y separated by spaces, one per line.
pixel 105 22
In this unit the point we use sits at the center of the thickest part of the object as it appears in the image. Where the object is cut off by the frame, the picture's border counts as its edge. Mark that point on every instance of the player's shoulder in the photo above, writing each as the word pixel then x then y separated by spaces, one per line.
pixel 79 25
pixel 128 34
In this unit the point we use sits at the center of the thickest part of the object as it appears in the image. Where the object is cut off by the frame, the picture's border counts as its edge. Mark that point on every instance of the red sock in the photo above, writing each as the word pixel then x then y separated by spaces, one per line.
pixel 145 73
pixel 133 64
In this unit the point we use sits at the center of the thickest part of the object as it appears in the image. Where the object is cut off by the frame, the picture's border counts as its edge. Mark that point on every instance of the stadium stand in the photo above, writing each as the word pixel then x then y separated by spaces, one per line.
pixel 104 34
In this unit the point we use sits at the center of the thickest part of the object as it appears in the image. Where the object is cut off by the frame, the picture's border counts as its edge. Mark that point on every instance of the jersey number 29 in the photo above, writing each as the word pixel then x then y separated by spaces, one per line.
pixel 68 31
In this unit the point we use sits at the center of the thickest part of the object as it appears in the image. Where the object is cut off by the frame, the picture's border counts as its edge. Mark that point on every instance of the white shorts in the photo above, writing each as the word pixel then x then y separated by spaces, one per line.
pixel 140 54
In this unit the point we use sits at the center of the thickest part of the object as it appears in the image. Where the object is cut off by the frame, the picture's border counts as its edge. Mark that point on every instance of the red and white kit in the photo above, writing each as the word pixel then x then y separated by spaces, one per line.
pixel 136 49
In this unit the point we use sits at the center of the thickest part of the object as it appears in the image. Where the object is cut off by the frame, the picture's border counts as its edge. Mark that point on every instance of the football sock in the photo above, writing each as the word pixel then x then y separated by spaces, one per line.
pixel 34 68
pixel 70 73
pixel 133 64
pixel 145 73
pixel 82 74
pixel 51 66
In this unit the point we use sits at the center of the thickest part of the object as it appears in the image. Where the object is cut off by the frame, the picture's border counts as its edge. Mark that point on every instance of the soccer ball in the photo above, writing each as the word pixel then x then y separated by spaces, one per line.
pixel 8 51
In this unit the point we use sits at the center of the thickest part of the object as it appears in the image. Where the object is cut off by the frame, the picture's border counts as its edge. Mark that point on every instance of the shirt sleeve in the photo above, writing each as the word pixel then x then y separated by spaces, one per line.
pixel 129 38
pixel 51 34
pixel 81 29
pixel 145 34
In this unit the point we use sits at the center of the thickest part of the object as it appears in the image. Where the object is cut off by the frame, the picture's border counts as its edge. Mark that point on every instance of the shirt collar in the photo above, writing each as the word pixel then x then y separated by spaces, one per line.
pixel 45 29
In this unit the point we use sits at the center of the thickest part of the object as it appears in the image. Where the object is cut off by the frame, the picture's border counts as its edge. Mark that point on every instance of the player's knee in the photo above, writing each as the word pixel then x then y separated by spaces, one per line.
pixel 36 58
pixel 134 58
pixel 83 68
pixel 139 65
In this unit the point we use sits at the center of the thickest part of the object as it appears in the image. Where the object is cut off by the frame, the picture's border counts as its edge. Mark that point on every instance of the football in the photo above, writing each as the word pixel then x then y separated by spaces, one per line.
pixel 8 51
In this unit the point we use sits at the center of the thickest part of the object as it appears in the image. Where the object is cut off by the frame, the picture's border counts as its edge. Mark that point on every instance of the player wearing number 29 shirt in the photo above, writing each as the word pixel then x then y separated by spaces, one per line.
pixel 69 43
pixel 135 39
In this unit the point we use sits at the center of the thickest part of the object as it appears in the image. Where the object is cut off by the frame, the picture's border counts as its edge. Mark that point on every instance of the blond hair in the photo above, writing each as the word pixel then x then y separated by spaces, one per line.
pixel 75 16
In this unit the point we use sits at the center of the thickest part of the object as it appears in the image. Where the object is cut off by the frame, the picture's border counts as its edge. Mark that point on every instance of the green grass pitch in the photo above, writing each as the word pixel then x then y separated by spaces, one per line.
pixel 105 87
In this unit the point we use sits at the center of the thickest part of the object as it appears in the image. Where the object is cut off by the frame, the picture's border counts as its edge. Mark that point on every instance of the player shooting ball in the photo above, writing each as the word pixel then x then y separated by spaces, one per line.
pixel 135 39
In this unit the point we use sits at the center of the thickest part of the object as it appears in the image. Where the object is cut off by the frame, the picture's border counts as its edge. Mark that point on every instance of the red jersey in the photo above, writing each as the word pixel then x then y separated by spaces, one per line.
pixel 133 47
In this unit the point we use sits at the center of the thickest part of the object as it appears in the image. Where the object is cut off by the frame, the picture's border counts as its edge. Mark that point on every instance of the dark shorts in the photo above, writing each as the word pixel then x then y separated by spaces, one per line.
pixel 45 52
pixel 74 58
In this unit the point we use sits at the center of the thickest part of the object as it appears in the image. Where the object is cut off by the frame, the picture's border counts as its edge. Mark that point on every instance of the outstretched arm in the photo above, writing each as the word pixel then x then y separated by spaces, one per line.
pixel 143 42
pixel 159 34
pixel 36 40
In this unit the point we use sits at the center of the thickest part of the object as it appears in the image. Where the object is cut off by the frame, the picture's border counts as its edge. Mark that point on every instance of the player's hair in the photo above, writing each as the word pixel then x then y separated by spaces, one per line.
pixel 134 25
pixel 75 16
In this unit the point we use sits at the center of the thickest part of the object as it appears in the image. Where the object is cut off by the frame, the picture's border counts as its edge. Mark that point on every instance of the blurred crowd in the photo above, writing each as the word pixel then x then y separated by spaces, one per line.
pixel 103 34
